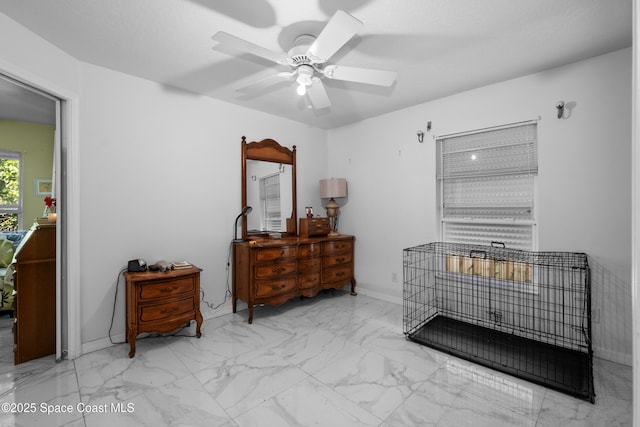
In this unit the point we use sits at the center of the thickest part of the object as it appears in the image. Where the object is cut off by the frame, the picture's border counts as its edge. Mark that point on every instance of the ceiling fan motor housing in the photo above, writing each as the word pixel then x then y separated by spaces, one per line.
pixel 299 53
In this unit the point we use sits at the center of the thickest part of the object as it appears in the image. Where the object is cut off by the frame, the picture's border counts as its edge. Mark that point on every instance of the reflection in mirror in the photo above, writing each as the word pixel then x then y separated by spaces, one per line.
pixel 270 170
pixel 269 192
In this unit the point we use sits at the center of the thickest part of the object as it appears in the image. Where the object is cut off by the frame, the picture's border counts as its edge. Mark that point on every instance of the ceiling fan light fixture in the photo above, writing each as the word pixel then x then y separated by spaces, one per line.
pixel 305 73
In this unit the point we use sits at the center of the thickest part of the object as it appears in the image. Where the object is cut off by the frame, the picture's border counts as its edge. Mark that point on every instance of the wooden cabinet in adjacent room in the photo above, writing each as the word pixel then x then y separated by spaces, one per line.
pixel 272 271
pixel 34 328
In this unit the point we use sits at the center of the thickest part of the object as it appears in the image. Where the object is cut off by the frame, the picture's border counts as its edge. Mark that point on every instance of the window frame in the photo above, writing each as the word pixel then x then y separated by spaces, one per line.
pixel 506 223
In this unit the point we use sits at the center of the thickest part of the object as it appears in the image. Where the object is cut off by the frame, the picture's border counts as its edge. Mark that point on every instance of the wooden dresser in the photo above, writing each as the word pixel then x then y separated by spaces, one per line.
pixel 34 328
pixel 162 302
pixel 272 271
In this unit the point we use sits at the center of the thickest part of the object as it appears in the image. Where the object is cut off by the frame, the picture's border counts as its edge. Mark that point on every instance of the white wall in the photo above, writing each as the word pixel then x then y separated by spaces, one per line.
pixel 584 179
pixel 158 172
pixel 161 180
pixel 34 58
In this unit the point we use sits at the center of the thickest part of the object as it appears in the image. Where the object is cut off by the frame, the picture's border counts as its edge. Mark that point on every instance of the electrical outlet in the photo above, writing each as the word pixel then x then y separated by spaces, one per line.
pixel 394 277
pixel 595 315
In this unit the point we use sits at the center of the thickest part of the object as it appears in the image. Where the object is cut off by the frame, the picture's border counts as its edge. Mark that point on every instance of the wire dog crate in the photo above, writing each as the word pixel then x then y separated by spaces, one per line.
pixel 524 313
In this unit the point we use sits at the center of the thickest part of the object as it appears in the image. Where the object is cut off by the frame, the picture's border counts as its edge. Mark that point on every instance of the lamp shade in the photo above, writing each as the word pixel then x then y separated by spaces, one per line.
pixel 333 187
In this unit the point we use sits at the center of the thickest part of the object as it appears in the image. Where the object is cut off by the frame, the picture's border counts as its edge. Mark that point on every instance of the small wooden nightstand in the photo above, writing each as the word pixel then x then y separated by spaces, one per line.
pixel 162 302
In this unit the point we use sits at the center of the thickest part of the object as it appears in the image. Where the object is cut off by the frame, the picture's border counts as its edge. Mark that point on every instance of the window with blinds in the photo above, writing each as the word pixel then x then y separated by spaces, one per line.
pixel 270 199
pixel 487 186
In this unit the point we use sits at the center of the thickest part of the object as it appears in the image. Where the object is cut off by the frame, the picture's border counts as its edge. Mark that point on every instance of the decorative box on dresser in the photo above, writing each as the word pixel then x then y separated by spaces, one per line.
pixel 162 302
pixel 272 271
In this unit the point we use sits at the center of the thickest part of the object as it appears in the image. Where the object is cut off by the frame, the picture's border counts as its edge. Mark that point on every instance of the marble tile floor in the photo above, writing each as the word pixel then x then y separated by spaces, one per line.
pixel 334 360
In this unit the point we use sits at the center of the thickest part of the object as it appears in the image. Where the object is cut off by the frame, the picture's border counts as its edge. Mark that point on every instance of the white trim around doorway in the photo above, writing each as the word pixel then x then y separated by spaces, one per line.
pixel 69 226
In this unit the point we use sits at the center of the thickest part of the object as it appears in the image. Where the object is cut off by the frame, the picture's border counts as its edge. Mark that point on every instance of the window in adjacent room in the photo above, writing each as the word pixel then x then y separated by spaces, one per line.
pixel 10 190
pixel 270 198
pixel 487 186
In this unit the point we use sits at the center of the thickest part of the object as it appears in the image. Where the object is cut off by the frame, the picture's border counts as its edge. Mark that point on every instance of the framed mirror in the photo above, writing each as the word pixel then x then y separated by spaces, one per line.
pixel 269 187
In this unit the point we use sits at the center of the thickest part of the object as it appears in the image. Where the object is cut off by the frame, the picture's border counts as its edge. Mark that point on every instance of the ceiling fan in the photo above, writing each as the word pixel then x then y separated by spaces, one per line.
pixel 308 60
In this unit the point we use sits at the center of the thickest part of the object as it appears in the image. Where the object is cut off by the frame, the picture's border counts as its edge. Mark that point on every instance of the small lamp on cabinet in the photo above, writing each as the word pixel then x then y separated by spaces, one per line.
pixel 333 188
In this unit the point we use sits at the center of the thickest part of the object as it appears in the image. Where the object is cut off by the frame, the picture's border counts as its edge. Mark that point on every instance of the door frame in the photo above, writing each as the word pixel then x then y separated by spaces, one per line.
pixel 68 224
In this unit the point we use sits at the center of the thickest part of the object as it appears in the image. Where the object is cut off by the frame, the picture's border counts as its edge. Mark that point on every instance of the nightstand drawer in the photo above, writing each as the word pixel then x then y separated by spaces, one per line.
pixel 166 289
pixel 154 313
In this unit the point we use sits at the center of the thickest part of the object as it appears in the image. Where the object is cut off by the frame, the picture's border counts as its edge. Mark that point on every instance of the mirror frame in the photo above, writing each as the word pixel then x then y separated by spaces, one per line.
pixel 269 150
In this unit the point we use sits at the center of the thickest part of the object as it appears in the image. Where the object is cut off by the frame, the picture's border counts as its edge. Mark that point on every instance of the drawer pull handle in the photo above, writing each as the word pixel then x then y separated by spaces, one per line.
pixel 339 259
pixel 276 287
pixel 166 310
pixel 340 273
pixel 166 289
pixel 278 269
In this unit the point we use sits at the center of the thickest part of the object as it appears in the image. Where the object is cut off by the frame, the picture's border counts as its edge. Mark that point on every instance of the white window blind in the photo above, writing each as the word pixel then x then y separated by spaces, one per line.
pixel 270 197
pixel 487 186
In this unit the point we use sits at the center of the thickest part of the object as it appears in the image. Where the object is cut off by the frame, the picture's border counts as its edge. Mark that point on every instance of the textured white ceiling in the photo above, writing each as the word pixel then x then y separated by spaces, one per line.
pixel 438 47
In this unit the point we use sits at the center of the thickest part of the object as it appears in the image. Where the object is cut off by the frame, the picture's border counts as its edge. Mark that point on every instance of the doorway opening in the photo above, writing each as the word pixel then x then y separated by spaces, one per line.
pixel 31 126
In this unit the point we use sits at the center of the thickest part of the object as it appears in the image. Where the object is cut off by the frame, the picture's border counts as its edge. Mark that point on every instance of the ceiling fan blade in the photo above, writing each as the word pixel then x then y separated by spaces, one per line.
pixel 318 95
pixel 246 46
pixel 266 82
pixel 360 75
pixel 339 30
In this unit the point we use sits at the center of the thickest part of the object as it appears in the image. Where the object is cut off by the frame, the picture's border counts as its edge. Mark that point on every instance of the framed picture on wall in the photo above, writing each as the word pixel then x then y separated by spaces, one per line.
pixel 43 187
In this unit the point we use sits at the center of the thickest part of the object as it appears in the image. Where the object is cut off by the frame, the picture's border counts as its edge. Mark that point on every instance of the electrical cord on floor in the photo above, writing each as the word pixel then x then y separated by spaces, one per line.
pixel 113 312
pixel 227 292
pixel 227 295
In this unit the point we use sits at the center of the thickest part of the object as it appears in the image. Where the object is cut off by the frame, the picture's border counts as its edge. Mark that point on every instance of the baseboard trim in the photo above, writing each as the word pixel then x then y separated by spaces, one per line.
pixel 380 296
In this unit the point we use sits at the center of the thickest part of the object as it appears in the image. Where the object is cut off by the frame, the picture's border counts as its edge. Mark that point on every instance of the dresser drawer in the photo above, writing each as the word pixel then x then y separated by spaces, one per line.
pixel 275 269
pixel 309 250
pixel 310 280
pixel 337 259
pixel 309 265
pixel 166 289
pixel 337 274
pixel 337 246
pixel 276 287
pixel 270 254
pixel 172 310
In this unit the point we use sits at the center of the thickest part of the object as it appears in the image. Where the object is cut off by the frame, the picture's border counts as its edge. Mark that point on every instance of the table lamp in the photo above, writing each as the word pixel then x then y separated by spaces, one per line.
pixel 331 189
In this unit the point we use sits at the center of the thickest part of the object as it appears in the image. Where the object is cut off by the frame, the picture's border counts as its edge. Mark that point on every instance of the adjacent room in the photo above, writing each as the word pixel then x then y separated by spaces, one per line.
pixel 251 213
